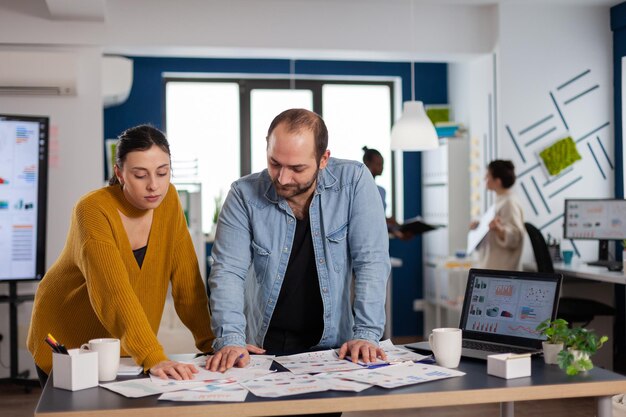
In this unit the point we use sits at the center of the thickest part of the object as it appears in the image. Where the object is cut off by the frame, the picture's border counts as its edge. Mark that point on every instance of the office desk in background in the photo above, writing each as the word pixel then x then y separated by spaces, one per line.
pixel 579 270
pixel 547 382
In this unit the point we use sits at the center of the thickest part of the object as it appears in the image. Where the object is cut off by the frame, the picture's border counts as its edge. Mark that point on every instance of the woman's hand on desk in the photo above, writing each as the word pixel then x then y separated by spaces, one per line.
pixel 178 371
pixel 230 356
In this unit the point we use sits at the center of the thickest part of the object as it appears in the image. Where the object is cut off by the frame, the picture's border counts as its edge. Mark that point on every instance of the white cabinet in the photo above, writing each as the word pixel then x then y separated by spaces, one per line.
pixel 445 201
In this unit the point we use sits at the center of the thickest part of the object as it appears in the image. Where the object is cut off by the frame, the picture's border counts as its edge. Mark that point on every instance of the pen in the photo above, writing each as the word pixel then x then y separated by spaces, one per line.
pixel 56 346
pixel 52 345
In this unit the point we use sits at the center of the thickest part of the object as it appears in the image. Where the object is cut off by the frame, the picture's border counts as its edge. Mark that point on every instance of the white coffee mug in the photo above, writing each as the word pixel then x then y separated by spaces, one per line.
pixel 446 345
pixel 108 356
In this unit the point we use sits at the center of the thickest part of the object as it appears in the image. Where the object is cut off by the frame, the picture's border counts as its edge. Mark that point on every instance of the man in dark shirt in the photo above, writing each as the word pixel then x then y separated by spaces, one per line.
pixel 288 242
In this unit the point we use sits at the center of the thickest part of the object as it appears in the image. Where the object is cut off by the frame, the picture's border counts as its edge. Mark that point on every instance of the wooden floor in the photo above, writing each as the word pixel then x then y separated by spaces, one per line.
pixel 15 402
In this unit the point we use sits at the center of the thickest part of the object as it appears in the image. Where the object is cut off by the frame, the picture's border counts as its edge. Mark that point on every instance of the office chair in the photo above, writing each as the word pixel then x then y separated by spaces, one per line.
pixel 571 309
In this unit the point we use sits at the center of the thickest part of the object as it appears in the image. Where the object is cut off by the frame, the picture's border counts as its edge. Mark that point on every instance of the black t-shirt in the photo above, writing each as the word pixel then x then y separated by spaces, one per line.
pixel 297 322
pixel 140 254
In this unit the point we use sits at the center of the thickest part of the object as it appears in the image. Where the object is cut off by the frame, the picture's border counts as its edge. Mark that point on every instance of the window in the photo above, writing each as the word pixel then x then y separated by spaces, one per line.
pixel 357 116
pixel 264 106
pixel 220 125
pixel 202 121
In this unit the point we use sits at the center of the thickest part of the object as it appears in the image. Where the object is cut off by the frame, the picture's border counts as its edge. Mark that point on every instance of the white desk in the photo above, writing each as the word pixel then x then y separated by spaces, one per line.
pixel 595 273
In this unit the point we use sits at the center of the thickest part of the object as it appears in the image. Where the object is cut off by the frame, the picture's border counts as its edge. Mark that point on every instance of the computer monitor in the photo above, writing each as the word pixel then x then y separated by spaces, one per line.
pixel 23 194
pixel 596 219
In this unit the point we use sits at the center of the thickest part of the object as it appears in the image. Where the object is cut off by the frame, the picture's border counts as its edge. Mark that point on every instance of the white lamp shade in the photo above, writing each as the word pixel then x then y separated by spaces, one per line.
pixel 414 131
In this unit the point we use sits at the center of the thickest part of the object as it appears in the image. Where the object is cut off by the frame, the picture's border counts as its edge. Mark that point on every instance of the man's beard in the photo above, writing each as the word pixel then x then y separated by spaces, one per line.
pixel 292 190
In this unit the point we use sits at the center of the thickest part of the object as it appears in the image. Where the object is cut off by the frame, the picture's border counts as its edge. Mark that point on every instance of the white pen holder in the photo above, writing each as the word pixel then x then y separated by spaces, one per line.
pixel 508 365
pixel 75 371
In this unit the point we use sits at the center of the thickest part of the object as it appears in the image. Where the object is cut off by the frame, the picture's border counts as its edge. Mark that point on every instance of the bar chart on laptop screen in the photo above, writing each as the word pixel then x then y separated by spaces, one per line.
pixel 23 168
pixel 510 307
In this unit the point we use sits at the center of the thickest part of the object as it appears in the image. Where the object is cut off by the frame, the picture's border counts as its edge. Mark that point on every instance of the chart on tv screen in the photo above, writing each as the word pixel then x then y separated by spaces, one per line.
pixel 20 146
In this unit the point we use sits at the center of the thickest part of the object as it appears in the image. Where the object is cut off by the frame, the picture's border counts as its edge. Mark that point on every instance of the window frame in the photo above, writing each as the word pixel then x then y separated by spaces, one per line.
pixel 247 83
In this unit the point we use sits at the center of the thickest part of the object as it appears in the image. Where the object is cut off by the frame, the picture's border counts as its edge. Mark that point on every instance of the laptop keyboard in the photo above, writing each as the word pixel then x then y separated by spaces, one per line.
pixel 490 347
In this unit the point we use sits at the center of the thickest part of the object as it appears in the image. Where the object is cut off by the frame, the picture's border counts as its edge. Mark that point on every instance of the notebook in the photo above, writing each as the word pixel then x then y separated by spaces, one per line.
pixel 501 310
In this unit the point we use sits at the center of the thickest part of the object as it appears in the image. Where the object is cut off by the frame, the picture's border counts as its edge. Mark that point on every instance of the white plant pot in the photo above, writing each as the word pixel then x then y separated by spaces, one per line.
pixel 578 355
pixel 551 351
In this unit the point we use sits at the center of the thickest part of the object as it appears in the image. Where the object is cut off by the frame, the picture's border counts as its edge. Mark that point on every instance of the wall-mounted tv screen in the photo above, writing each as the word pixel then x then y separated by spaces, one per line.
pixel 24 142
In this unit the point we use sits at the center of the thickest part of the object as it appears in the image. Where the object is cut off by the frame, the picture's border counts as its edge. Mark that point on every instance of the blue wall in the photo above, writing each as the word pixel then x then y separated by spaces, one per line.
pixel 618 26
pixel 146 105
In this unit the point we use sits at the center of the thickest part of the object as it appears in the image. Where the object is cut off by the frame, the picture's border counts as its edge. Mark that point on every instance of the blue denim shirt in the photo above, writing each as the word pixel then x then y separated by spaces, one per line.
pixel 254 237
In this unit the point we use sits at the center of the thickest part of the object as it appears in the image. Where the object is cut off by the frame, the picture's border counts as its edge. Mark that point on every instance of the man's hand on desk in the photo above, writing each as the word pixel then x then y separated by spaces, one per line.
pixel 358 348
pixel 178 371
pixel 230 356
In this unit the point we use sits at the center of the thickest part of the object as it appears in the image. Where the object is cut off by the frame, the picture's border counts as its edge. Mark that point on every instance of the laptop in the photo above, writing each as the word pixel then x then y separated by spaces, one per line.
pixel 501 310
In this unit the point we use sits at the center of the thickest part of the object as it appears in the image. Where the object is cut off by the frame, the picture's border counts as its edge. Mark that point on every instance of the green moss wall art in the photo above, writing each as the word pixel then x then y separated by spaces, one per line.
pixel 438 113
pixel 560 155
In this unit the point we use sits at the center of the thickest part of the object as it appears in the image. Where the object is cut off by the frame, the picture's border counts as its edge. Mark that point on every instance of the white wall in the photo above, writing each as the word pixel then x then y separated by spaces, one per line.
pixel 471 87
pixel 540 49
pixel 76 166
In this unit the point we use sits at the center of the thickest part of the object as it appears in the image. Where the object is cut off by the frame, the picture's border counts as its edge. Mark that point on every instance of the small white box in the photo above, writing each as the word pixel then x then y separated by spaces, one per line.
pixel 75 371
pixel 508 365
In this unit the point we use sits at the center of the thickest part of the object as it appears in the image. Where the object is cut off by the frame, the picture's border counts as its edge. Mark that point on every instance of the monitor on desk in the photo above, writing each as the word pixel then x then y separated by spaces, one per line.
pixel 596 219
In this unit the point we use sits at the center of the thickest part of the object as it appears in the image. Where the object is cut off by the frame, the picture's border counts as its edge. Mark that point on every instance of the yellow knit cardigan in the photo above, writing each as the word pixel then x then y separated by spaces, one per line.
pixel 96 288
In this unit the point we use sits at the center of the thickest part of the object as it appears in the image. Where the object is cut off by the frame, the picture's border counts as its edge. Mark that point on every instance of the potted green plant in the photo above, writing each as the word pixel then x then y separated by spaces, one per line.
pixel 556 333
pixel 581 345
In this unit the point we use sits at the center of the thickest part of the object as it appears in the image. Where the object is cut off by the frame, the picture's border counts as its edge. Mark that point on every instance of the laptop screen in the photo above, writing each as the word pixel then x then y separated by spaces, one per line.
pixel 506 306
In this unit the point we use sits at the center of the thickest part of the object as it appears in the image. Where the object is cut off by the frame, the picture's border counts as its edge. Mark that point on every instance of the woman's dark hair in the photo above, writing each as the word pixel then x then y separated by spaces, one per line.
pixel 369 154
pixel 503 169
pixel 138 138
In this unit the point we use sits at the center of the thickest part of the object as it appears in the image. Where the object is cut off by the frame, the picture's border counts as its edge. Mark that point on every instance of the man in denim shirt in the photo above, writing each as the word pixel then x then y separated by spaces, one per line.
pixel 288 241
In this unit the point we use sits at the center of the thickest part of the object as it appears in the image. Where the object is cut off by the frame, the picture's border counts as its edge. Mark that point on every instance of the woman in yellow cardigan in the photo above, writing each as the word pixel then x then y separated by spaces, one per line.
pixel 127 242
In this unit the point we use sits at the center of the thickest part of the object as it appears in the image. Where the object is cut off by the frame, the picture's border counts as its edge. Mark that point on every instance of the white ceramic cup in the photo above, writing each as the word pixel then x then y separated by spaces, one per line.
pixel 446 345
pixel 108 356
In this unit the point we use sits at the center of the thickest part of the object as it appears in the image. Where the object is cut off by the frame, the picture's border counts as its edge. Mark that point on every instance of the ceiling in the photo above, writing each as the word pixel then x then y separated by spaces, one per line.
pixel 95 10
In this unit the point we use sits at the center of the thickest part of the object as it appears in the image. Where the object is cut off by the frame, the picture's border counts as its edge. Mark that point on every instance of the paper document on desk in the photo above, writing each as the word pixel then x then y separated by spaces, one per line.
pixel 229 391
pixel 135 388
pixel 259 365
pixel 316 362
pixel 128 367
pixel 282 384
pixel 475 236
pixel 336 382
pixel 397 354
pixel 394 376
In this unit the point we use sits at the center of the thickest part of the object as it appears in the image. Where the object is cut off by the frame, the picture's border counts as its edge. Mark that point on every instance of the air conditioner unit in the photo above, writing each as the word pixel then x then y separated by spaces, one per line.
pixel 117 80
pixel 38 73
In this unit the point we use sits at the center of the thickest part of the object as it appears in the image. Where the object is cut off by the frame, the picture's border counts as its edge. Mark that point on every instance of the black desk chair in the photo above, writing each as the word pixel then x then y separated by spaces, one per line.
pixel 573 310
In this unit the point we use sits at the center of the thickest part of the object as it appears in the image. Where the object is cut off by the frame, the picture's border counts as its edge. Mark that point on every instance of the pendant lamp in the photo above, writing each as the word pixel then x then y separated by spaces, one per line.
pixel 413 131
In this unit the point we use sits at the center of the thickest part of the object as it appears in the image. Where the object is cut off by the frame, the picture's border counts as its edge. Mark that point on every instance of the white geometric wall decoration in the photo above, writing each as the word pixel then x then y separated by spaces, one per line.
pixel 572 103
